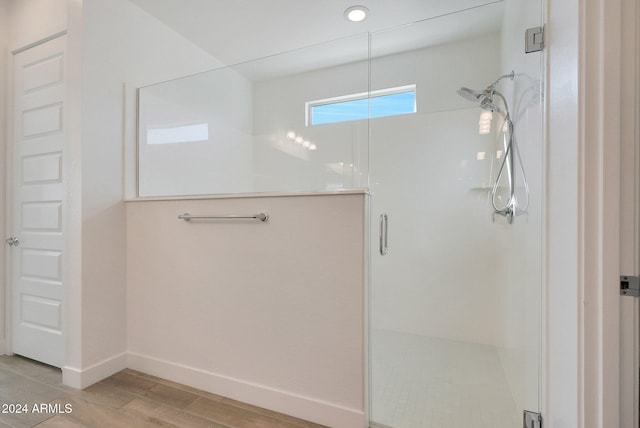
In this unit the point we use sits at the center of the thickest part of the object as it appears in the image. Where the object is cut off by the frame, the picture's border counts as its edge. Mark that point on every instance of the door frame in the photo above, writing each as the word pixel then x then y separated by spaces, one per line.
pixel 630 216
pixel 583 248
pixel 8 199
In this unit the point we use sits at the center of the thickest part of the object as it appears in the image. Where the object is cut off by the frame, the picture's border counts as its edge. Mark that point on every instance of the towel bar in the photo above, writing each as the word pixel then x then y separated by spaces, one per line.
pixel 188 217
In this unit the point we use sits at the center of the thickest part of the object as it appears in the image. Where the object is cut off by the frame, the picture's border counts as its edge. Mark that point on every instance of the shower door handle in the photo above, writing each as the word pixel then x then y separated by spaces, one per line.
pixel 384 234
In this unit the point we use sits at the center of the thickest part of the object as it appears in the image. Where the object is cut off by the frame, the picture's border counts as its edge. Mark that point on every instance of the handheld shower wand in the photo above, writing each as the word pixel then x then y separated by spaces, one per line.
pixel 487 100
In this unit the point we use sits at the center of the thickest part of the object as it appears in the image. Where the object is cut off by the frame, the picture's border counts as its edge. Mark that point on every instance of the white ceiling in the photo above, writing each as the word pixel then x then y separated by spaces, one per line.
pixel 235 31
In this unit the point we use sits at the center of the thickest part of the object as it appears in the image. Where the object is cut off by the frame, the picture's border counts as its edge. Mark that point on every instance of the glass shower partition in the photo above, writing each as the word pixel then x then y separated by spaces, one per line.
pixel 454 293
pixel 248 128
pixel 455 290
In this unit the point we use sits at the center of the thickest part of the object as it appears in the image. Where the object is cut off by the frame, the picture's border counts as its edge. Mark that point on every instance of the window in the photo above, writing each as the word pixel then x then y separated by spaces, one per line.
pixel 381 103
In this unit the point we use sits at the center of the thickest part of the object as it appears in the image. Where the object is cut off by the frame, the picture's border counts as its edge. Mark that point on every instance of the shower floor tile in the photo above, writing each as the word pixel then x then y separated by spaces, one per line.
pixel 423 382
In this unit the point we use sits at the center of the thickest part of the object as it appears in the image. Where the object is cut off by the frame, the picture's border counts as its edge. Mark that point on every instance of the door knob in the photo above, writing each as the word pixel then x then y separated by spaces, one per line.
pixel 13 241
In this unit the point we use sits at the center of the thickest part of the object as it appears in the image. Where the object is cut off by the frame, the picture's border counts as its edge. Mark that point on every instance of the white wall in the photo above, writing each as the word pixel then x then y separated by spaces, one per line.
pixel 121 44
pixel 4 105
pixel 34 20
pixel 73 123
pixel 266 313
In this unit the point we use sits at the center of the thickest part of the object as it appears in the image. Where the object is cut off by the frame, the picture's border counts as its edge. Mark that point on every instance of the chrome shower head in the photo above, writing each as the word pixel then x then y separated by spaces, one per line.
pixel 483 98
pixel 470 94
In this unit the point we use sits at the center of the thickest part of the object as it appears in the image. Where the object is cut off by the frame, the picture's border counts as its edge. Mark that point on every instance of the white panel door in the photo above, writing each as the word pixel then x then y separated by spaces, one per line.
pixel 38 259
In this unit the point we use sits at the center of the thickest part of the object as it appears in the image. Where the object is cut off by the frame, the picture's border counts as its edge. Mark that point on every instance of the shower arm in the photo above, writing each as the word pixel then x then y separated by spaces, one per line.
pixel 509 76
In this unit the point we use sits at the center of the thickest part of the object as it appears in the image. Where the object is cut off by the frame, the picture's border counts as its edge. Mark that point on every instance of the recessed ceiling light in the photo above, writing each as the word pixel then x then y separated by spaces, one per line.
pixel 356 13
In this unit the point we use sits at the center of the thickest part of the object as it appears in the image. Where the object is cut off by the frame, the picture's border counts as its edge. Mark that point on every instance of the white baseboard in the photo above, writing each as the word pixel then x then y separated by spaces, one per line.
pixel 84 378
pixel 307 408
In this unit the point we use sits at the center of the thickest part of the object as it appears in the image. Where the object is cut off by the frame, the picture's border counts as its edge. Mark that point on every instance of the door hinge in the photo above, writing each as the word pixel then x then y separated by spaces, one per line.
pixel 534 40
pixel 532 419
pixel 630 285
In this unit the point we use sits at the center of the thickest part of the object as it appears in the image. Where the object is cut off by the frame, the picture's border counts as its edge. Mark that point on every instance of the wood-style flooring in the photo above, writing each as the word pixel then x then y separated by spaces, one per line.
pixel 32 395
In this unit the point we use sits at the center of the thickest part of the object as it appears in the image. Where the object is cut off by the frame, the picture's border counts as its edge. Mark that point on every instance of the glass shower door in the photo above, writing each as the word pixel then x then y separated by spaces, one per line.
pixel 456 274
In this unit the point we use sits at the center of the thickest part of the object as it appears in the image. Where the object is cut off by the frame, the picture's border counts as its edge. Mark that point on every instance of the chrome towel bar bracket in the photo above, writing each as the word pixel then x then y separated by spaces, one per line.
pixel 188 217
